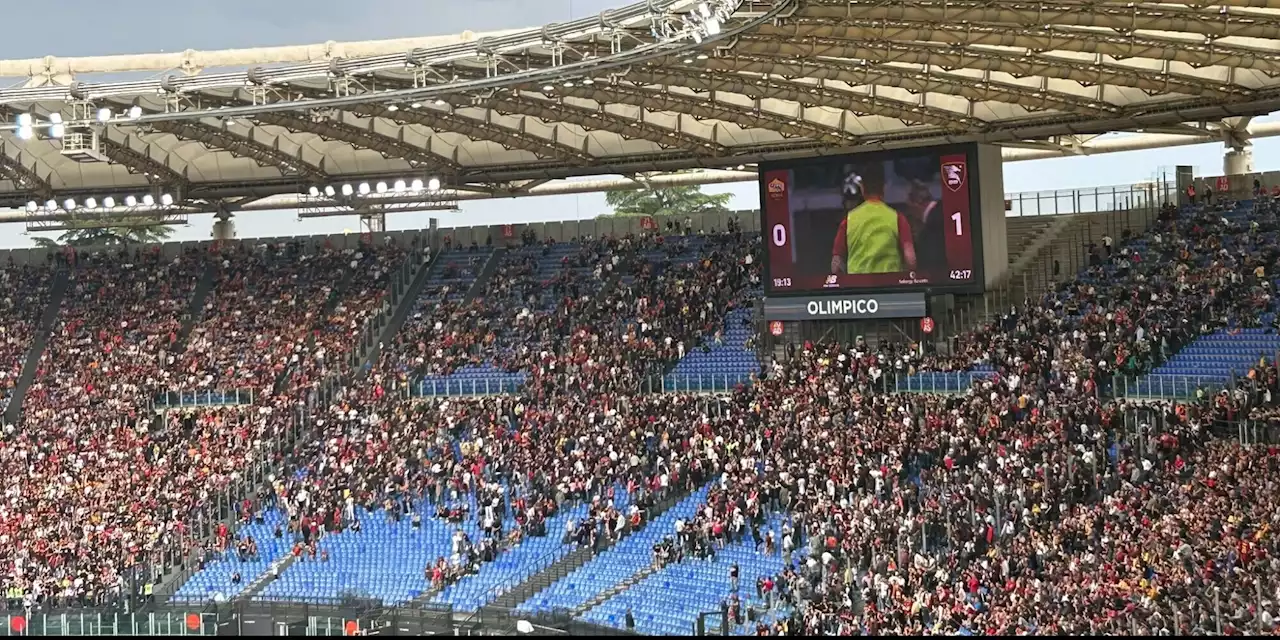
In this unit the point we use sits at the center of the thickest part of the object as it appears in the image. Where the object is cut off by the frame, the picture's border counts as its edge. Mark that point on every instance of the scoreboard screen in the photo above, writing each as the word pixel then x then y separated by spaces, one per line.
pixel 891 221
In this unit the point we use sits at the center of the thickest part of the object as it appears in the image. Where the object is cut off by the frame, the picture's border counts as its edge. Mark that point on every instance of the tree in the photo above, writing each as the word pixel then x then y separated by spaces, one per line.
pixel 126 232
pixel 666 201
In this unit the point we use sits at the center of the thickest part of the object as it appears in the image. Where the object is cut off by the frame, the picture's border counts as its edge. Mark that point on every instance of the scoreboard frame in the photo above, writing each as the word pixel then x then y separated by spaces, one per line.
pixel 976 283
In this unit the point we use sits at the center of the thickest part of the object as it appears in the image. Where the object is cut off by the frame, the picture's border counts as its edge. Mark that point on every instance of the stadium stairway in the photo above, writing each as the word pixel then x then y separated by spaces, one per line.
pixel 196 309
pixel 38 343
pixel 554 571
pixel 404 296
pixel 214 581
pixel 613 567
pixel 490 266
pixel 667 601
pixel 713 366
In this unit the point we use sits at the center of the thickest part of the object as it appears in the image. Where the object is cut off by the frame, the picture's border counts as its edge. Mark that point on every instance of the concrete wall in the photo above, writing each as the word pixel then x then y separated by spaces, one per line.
pixel 995 235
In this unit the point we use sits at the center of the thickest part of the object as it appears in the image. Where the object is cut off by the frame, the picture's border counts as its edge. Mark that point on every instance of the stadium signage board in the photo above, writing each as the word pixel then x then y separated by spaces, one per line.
pixel 846 307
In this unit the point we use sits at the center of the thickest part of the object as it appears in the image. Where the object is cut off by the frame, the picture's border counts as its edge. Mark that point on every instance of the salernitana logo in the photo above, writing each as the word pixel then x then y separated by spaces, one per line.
pixel 777 188
pixel 953 175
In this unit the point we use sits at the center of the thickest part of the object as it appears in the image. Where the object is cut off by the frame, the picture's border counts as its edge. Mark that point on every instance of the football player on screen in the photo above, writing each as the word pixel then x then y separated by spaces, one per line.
pixel 873 237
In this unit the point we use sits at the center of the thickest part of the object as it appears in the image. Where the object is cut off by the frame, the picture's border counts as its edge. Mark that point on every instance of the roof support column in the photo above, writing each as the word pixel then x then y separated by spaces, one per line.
pixel 224 227
pixel 1238 158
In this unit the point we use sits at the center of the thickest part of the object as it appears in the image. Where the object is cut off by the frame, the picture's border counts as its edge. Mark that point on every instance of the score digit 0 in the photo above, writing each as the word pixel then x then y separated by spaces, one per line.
pixel 779 235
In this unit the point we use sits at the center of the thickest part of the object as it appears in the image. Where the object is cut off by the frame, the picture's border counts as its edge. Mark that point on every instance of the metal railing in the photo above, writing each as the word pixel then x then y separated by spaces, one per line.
pixel 696 382
pixel 155 623
pixel 1064 202
pixel 206 398
pixel 1165 386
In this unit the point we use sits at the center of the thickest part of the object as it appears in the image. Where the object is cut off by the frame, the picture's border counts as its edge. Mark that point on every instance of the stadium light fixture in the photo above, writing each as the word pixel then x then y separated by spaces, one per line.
pixel 713 27
pixel 433 184
pixel 32 206
pixel 697 36
pixel 25 133
pixel 69 204
pixel 363 188
pixel 705 10
pixel 439 102
pixel 398 186
pixel 148 200
pixel 329 190
pixel 313 192
pixel 589 81
pixel 166 199
pixel 417 105
pixel 57 131
pixel 130 201
pixel 90 203
pixel 347 190
pixel 548 88
pixel 104 114
pixel 416 185
pixel 392 107
pixel 135 111
pixel 381 187
pixel 51 205
pixel 109 202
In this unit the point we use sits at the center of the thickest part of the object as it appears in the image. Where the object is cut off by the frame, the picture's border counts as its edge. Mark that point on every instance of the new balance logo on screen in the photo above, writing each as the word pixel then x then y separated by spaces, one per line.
pixel 953 175
pixel 832 280
pixel 777 186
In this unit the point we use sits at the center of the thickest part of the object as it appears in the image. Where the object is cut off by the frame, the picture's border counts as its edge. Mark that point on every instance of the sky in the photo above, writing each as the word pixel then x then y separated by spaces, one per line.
pixel 87 28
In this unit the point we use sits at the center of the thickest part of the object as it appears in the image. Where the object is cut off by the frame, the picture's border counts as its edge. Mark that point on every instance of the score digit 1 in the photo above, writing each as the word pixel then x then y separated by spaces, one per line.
pixel 955 217
pixel 779 235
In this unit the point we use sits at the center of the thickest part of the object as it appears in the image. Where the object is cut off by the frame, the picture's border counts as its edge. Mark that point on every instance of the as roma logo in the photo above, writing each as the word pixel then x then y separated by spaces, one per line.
pixel 777 186
pixel 954 175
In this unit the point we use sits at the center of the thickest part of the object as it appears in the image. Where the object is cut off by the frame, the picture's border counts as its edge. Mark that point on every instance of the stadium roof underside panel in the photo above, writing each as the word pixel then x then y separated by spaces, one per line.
pixel 649 87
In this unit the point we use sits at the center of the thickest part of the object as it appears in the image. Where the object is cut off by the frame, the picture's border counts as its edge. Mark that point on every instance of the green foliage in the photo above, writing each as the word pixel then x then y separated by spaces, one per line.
pixel 666 201
pixel 128 233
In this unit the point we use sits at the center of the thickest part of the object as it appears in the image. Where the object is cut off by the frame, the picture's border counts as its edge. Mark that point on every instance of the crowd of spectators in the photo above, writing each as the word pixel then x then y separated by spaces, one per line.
pixel 1029 504
pixel 25 294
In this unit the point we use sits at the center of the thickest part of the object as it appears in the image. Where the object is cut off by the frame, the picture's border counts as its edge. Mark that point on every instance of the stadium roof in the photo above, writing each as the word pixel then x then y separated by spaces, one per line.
pixel 657 86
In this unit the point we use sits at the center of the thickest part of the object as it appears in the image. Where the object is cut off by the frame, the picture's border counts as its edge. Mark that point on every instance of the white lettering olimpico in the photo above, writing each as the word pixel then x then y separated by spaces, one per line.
pixel 860 306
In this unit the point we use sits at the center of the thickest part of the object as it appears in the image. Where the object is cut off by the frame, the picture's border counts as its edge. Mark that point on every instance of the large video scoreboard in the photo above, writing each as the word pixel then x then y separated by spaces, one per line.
pixel 885 222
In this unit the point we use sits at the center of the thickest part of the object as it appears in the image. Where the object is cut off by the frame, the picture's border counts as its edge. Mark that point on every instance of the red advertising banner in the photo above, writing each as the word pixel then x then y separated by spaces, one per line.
pixel 508 231
pixel 955 205
pixel 1224 185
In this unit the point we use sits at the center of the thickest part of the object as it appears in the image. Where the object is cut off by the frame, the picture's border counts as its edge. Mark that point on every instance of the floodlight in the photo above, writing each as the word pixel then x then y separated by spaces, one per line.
pixel 347 190
pixel 364 188
pixel 568 83
pixel 55 118
pixel 416 185
pixel 439 102
pixel 130 201
pixel 381 187
pixel 713 27
pixel 166 199
pixel 392 107
pixel 589 81
pixel 417 105
pixel 109 202
pixel 57 130
pixel 51 204
pixel 548 88
pixel 697 36
pixel 704 10
pixel 148 200
pixel 314 192
pixel 90 203
pixel 25 133
pixel 32 206
pixel 69 204
pixel 398 186
pixel 25 120
pixel 688 60
pixel 433 184
pixel 329 191
pixel 104 114
pixel 135 111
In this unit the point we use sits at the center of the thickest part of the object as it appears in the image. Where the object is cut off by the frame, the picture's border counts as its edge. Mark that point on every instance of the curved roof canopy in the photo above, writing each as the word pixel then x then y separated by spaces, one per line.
pixel 662 85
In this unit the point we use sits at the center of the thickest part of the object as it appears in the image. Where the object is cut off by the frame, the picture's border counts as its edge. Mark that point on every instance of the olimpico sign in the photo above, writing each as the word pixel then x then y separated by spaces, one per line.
pixel 847 307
